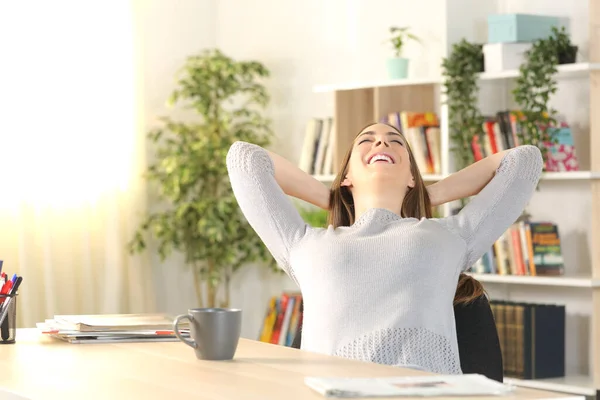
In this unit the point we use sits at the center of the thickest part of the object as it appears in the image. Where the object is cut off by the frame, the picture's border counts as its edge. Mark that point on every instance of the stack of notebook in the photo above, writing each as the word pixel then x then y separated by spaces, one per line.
pixel 112 328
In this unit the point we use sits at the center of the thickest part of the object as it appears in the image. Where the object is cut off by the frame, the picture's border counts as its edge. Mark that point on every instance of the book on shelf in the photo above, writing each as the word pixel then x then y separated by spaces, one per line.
pixel 532 339
pixel 282 319
pixel 318 147
pixel 526 248
pixel 422 131
pixel 105 328
pixel 504 131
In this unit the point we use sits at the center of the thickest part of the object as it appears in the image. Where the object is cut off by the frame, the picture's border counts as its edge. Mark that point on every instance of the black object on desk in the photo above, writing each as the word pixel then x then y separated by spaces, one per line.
pixel 8 314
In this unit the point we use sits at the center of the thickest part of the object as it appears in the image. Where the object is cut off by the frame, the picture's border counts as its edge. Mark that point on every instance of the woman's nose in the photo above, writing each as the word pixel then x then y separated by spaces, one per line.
pixel 380 142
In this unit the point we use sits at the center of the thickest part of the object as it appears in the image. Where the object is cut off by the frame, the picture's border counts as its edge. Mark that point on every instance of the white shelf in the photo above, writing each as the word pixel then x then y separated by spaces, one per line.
pixel 546 176
pixel 380 83
pixel 325 178
pixel 576 384
pixel 575 175
pixel 564 71
pixel 564 280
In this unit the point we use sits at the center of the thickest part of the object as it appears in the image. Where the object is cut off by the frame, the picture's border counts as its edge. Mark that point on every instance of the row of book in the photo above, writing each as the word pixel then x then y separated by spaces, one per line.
pixel 504 131
pixel 526 248
pixel 318 147
pixel 532 339
pixel 282 319
pixel 422 131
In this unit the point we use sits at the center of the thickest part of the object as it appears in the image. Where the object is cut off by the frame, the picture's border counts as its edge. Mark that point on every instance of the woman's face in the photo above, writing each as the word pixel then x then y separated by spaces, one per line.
pixel 379 153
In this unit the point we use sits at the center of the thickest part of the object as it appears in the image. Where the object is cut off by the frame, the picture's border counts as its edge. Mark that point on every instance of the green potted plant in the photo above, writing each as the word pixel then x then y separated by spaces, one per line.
pixel 460 71
pixel 535 86
pixel 567 52
pixel 198 215
pixel 397 66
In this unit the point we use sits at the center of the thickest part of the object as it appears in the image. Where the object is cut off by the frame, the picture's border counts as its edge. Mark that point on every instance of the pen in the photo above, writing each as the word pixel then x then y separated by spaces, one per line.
pixel 1 262
pixel 4 331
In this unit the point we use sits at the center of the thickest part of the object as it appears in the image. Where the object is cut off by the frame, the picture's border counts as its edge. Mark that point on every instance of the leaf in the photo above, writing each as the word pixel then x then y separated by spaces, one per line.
pixel 197 213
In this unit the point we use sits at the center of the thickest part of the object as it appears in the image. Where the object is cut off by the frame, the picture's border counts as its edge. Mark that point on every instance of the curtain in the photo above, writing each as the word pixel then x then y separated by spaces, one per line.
pixel 72 155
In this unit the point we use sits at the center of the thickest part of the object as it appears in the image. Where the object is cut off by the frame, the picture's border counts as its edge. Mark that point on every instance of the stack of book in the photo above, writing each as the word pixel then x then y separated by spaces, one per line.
pixel 532 338
pixel 112 328
pixel 283 316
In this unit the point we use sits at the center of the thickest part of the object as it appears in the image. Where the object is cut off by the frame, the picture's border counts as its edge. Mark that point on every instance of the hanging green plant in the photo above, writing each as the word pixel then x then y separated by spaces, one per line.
pixel 535 86
pixel 460 71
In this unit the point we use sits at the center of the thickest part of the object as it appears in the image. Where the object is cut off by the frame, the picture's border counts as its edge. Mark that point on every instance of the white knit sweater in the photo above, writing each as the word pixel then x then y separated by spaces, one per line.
pixel 382 289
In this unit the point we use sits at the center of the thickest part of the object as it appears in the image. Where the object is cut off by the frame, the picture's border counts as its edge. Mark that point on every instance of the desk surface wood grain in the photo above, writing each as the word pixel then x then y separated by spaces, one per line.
pixel 38 367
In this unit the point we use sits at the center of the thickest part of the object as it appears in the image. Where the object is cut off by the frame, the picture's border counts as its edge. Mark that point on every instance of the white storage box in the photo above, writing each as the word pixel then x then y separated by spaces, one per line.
pixel 503 56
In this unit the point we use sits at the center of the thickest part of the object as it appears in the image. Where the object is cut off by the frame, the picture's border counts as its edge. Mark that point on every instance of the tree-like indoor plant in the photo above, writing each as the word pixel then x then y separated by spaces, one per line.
pixel 535 86
pixel 198 214
pixel 397 66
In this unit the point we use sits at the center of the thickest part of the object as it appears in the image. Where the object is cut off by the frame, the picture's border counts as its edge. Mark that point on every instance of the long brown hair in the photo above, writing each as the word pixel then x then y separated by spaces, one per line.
pixel 416 204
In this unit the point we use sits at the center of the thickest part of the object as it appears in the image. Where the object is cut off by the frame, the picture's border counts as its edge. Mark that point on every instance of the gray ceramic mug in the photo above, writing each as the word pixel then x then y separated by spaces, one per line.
pixel 214 332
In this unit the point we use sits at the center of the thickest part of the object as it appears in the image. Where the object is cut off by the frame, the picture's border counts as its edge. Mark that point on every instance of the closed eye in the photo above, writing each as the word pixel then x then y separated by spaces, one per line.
pixel 362 141
pixel 399 142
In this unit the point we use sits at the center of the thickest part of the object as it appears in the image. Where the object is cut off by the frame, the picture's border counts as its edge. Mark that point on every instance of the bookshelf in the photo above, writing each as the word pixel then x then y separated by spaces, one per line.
pixel 358 103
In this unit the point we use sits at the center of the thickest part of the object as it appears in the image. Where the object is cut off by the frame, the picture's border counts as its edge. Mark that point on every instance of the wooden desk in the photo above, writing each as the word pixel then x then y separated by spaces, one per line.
pixel 38 367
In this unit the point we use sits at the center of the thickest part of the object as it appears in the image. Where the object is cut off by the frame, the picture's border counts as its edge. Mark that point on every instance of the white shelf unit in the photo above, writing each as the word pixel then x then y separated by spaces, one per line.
pixel 563 280
pixel 547 176
pixel 564 72
pixel 358 103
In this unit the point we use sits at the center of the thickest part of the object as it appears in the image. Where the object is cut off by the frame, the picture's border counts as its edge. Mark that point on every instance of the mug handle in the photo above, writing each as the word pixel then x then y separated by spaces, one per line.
pixel 178 319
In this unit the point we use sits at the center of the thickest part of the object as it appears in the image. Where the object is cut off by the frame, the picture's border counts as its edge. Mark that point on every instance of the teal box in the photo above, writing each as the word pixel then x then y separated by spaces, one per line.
pixel 512 28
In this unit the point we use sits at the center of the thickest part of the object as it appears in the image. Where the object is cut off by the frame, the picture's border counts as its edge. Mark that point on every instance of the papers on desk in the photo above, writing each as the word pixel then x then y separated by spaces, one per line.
pixel 111 328
pixel 410 386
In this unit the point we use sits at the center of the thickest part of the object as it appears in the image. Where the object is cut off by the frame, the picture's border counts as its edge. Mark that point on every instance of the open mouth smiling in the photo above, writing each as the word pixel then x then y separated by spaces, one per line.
pixel 381 158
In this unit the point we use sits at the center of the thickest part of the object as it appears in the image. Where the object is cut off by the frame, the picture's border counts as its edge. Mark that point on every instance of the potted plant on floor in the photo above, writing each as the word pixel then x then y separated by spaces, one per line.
pixel 198 215
pixel 397 66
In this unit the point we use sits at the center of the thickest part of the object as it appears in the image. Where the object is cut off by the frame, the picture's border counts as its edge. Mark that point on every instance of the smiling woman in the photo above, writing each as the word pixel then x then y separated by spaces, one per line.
pixel 381 250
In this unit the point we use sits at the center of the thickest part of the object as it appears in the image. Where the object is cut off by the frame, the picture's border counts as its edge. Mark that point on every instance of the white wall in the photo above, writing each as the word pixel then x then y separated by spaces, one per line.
pixel 166 35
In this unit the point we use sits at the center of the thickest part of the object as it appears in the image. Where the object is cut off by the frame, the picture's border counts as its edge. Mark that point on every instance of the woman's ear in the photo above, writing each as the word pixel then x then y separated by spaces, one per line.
pixel 411 182
pixel 346 182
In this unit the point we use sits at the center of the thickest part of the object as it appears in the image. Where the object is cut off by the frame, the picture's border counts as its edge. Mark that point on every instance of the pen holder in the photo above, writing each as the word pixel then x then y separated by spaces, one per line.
pixel 8 318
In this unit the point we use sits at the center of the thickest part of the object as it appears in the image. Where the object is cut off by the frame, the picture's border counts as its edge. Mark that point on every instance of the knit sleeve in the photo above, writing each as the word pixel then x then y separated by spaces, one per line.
pixel 490 213
pixel 264 204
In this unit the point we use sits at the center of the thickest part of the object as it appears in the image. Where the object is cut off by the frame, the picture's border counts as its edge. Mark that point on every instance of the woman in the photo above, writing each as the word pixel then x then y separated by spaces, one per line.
pixel 378 283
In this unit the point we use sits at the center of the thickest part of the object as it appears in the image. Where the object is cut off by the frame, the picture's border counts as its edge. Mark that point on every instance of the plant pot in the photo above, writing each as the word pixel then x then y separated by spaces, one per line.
pixel 397 68
pixel 567 56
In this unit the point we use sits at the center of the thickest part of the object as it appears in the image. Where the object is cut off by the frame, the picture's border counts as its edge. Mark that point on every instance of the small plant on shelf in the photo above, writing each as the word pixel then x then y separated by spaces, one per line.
pixel 566 51
pixel 535 86
pixel 465 121
pixel 398 65
pixel 401 35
